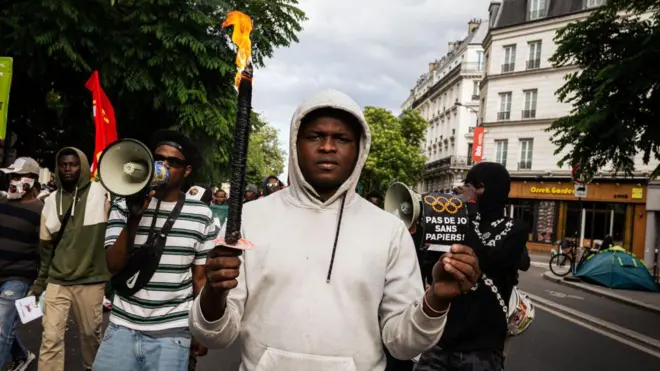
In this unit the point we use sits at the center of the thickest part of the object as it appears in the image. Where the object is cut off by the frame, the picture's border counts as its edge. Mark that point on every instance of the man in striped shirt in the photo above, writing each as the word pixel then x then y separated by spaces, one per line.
pixel 149 329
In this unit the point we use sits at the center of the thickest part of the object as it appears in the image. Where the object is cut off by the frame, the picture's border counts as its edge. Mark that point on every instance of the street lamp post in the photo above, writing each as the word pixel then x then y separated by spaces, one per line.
pixel 476 113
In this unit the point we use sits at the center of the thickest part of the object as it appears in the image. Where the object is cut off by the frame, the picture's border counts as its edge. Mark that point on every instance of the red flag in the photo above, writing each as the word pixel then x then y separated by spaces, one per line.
pixel 104 119
pixel 478 146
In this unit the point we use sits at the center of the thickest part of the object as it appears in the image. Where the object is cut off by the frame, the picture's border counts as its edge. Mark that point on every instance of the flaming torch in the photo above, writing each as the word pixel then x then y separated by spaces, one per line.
pixel 243 83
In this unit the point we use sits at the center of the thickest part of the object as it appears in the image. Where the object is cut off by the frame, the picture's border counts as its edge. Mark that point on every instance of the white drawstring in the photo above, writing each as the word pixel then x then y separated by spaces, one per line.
pixel 73 202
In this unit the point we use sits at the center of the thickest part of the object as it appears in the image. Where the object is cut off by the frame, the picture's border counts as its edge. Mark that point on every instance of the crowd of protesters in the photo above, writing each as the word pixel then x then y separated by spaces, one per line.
pixel 336 284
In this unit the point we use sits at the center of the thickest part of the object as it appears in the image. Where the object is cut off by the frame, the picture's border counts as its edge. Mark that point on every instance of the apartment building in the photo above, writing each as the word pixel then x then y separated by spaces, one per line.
pixel 447 96
pixel 518 104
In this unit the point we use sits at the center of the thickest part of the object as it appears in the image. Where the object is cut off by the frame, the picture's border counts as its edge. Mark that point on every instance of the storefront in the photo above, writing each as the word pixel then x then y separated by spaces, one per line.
pixel 553 213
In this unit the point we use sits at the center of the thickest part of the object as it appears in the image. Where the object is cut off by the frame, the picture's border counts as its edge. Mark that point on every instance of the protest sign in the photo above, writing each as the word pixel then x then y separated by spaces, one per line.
pixel 445 219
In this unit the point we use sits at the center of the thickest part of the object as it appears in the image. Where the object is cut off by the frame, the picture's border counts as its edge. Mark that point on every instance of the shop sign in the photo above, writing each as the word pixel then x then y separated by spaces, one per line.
pixel 638 193
pixel 552 190
pixel 580 190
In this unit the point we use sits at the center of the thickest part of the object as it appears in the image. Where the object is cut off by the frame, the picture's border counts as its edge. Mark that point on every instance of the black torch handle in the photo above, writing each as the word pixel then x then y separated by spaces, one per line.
pixel 239 157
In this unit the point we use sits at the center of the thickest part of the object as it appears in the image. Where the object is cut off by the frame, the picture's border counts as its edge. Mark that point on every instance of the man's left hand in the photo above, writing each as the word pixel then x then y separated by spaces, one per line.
pixel 455 273
pixel 197 349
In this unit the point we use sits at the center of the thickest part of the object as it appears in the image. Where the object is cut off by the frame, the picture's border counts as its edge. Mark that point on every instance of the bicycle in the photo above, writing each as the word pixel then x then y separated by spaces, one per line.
pixel 563 263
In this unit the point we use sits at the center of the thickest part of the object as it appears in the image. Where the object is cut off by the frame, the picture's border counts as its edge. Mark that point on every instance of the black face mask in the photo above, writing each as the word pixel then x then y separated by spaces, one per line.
pixel 495 180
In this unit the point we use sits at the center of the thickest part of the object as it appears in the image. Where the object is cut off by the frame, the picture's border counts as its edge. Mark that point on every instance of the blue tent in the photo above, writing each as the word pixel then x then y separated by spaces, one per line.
pixel 616 268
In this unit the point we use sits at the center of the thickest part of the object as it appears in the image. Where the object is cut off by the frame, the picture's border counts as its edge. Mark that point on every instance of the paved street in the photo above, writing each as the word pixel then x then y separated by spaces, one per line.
pixel 554 341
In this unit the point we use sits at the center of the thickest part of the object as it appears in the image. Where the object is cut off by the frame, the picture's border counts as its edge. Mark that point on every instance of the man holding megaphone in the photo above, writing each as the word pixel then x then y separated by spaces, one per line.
pixel 156 274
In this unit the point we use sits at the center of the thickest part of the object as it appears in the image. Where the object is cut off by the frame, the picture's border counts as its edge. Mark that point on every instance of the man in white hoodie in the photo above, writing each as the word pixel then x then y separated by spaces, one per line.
pixel 332 277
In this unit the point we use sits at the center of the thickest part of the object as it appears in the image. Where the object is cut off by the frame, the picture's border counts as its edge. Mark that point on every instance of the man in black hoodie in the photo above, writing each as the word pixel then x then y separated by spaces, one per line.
pixel 477 322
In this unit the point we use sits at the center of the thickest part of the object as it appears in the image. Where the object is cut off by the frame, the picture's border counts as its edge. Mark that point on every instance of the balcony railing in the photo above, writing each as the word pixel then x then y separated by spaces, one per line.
pixel 508 67
pixel 533 64
pixel 525 165
pixel 503 116
pixel 529 114
pixel 449 162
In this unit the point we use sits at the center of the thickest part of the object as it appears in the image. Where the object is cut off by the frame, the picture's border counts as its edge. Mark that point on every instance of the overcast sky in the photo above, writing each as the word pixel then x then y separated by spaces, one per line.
pixel 373 50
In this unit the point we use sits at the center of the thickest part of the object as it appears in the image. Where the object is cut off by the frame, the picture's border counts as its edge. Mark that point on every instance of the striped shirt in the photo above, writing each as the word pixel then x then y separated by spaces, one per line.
pixel 163 303
pixel 19 240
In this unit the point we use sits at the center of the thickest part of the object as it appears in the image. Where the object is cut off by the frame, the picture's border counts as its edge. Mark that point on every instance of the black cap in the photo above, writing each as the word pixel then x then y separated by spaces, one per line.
pixel 181 142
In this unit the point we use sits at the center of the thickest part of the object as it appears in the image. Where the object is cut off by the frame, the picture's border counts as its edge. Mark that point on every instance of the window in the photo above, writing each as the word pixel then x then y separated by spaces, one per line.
pixel 501 151
pixel 475 90
pixel 469 154
pixel 509 58
pixel 530 104
pixel 480 61
pixel 526 148
pixel 505 106
pixel 537 9
pixel 534 60
pixel 594 3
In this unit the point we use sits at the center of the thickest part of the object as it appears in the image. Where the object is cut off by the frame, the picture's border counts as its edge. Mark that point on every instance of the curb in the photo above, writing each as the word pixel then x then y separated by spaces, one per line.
pixel 603 292
pixel 644 341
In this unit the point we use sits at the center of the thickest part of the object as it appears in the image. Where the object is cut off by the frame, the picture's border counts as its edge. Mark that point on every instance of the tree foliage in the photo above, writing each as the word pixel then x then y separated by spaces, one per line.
pixel 395 149
pixel 265 154
pixel 616 93
pixel 163 64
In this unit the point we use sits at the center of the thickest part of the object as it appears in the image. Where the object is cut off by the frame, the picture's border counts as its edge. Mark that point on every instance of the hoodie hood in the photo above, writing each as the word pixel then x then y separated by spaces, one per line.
pixel 497 184
pixel 85 174
pixel 83 180
pixel 301 192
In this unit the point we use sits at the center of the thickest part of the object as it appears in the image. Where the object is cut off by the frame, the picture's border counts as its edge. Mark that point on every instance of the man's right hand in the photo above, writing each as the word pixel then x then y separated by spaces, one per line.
pixel 138 205
pixel 222 265
pixel 221 271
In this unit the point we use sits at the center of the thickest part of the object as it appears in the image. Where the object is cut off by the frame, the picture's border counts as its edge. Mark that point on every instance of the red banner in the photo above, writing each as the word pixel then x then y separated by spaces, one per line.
pixel 104 119
pixel 478 144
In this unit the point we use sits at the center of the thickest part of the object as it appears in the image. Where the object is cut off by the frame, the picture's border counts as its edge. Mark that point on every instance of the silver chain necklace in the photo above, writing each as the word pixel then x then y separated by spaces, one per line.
pixel 485 237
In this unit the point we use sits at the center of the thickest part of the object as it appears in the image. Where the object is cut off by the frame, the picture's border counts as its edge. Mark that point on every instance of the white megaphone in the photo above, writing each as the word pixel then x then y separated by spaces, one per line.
pixel 126 168
pixel 403 202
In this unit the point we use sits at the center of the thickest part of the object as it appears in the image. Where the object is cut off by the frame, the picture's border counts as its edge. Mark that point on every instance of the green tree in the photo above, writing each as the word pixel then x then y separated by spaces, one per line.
pixel 163 64
pixel 616 93
pixel 265 155
pixel 395 149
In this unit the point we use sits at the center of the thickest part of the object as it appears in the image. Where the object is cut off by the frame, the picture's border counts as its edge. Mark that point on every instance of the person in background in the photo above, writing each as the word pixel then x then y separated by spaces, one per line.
pixel 477 323
pixel 271 185
pixel 73 272
pixel 251 193
pixel 149 328
pixel 324 287
pixel 219 197
pixel 375 198
pixel 19 255
pixel 203 194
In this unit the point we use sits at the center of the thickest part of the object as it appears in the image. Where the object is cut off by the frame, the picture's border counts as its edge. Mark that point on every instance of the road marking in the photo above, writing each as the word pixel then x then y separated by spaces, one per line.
pixel 591 322
pixel 563 296
pixel 596 329
pixel 540 264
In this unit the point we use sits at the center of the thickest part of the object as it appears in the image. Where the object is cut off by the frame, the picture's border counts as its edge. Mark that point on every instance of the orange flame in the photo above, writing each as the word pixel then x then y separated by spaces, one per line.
pixel 241 37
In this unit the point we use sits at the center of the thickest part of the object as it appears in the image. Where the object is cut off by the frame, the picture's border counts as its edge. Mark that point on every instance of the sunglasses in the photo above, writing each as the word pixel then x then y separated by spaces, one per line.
pixel 272 185
pixel 172 161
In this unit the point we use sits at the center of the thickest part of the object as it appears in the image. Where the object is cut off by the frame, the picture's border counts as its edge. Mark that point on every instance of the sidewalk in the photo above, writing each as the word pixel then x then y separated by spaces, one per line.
pixel 645 300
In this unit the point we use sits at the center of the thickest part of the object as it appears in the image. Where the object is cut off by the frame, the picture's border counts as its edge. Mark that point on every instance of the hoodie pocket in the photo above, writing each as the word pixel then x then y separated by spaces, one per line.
pixel 279 360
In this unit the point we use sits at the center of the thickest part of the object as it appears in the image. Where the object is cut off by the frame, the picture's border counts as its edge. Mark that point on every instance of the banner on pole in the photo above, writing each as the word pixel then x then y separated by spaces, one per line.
pixel 6 64
pixel 478 144
pixel 104 120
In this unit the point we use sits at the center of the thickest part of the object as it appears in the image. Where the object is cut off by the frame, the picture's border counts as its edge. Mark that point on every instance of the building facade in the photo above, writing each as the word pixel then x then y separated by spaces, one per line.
pixel 518 103
pixel 447 96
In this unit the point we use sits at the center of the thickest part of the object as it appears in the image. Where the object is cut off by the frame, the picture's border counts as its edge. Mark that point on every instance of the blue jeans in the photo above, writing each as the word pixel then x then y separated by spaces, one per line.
pixel 130 350
pixel 10 345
